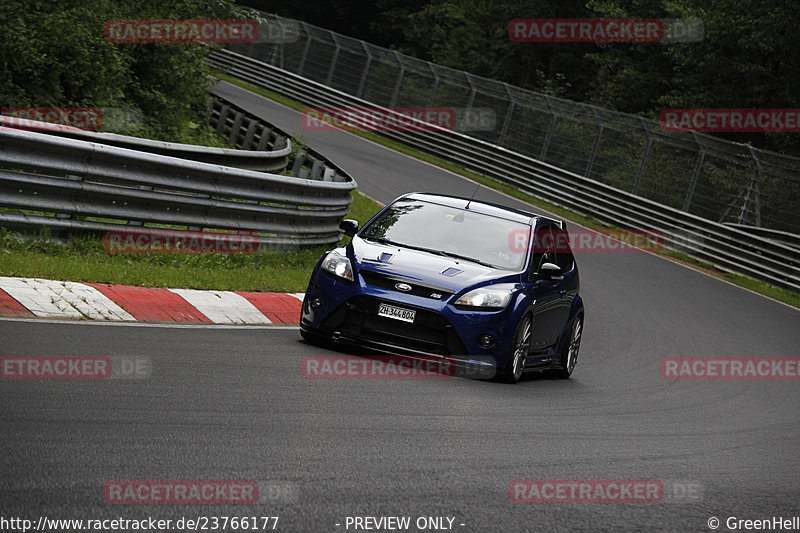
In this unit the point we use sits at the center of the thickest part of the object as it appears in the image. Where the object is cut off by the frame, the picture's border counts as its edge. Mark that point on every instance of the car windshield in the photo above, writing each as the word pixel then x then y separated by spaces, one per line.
pixel 454 232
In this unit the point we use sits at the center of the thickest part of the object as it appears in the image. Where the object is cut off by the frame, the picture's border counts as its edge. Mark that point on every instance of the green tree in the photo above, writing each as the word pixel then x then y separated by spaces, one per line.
pixel 472 35
pixel 53 54
pixel 747 59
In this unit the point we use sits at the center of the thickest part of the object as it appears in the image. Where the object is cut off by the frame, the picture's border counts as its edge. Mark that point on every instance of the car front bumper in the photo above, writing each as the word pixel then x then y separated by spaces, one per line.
pixel 349 311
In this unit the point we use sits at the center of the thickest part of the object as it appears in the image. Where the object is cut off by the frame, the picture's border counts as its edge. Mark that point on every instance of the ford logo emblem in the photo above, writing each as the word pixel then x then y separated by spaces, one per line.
pixel 405 287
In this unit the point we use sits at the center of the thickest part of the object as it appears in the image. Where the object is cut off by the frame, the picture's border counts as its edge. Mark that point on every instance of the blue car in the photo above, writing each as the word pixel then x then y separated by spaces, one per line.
pixel 486 285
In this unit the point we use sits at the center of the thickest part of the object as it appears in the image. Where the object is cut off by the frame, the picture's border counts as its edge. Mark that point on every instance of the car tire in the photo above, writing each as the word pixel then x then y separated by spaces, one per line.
pixel 569 353
pixel 515 366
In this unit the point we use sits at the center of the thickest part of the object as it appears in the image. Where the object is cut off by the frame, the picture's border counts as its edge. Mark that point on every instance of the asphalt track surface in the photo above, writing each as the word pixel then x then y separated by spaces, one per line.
pixel 231 404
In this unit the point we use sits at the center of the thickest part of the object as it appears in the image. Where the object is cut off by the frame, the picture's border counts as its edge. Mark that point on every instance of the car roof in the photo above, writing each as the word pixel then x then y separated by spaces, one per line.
pixel 478 206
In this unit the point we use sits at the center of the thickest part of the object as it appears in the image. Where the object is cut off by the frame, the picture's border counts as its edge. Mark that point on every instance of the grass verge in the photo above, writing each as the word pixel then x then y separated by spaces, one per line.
pixel 777 293
pixel 84 259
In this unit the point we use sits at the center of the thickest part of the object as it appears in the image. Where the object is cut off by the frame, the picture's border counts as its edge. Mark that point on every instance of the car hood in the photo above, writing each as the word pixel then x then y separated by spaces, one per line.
pixel 445 272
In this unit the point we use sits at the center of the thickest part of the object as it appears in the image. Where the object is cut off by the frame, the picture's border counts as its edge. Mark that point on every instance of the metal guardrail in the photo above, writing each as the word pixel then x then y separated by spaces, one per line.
pixel 701 174
pixel 727 248
pixel 270 153
pixel 236 125
pixel 783 237
pixel 75 185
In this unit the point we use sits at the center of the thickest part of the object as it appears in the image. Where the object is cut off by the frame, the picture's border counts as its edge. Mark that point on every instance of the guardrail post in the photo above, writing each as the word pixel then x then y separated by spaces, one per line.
pixel 277 51
pixel 329 78
pixel 752 188
pixel 236 129
pixel 247 142
pixel 280 139
pixel 697 168
pixel 435 88
pixel 212 112
pixel 755 186
pixel 263 138
pixel 596 144
pixel 297 166
pixel 510 111
pixel 276 58
pixel 400 76
pixel 471 100
pixel 222 119
pixel 730 205
pixel 643 162
pixel 309 38
pixel 317 169
pixel 549 134
pixel 363 82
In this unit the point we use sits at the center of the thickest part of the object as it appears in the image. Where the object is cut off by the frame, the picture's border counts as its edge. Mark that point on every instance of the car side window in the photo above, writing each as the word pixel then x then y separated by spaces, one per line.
pixel 543 252
pixel 564 257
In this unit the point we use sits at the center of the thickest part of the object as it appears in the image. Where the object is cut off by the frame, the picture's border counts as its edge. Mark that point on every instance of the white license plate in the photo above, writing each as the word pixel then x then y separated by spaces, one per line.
pixel 398 313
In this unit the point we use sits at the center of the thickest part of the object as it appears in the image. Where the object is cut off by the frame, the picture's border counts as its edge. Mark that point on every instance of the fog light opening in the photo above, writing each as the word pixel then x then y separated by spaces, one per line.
pixel 486 341
pixel 316 302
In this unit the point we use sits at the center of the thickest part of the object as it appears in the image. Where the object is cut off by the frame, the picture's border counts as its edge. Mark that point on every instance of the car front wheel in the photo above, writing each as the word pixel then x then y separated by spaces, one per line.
pixel 569 354
pixel 519 351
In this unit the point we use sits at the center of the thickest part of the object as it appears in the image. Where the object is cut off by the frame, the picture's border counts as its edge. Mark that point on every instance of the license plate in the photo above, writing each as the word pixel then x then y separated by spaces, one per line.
pixel 398 313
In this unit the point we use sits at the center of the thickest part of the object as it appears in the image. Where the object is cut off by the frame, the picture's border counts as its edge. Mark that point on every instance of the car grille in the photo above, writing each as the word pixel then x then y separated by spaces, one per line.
pixel 389 282
pixel 430 332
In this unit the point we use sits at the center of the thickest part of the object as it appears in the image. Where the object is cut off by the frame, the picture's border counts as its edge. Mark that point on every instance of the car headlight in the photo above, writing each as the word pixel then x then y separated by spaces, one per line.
pixel 485 298
pixel 338 265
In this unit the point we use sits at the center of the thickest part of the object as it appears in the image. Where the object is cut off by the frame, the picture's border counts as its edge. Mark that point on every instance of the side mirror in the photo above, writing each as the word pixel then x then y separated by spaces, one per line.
pixel 551 271
pixel 349 226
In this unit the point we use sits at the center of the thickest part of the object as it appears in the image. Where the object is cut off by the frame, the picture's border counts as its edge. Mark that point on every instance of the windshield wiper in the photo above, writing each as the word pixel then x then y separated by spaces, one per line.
pixel 464 257
pixel 383 240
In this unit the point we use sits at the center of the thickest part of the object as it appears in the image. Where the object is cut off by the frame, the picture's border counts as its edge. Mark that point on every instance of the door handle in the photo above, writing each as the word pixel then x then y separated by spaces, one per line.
pixel 562 292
